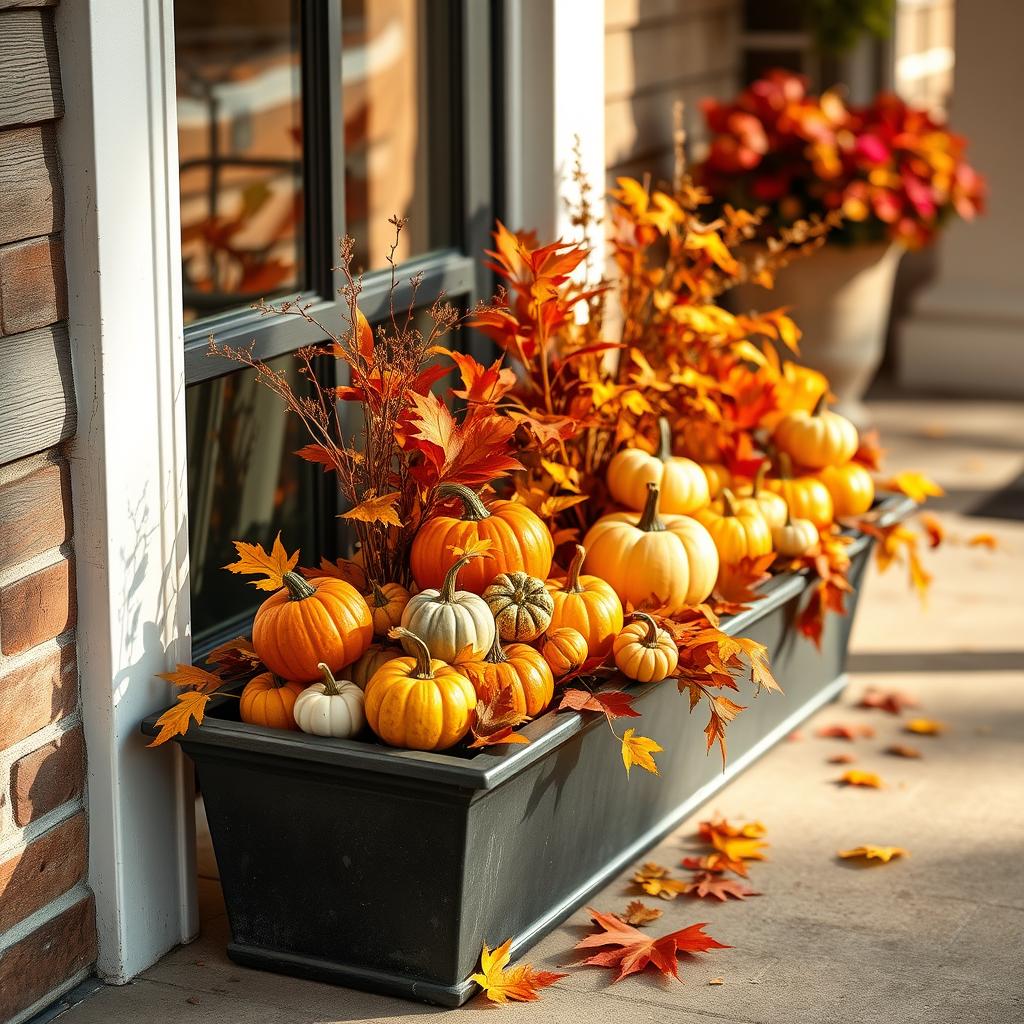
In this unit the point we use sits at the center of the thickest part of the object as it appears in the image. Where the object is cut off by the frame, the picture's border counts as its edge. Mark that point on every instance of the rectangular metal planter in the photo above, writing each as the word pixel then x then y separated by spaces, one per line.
pixel 388 870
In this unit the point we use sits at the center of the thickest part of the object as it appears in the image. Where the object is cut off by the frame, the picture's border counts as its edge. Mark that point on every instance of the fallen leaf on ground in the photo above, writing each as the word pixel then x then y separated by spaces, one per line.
pixel 842 759
pixel 924 727
pixel 739 847
pixel 638 913
pixel 902 750
pixel 717 981
pixel 663 888
pixel 650 870
pixel 633 951
pixel 983 540
pixel 934 530
pixel 519 984
pixel 715 862
pixel 845 732
pixel 707 883
pixel 795 736
pixel 887 700
pixel 707 830
pixel 880 853
pixel 855 777
pixel 638 750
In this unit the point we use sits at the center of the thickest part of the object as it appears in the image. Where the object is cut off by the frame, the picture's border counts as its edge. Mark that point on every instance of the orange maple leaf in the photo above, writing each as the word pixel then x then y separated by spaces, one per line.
pixel 254 561
pixel 194 677
pixel 638 913
pixel 501 984
pixel 856 777
pixel 613 703
pixel 175 721
pixel 708 883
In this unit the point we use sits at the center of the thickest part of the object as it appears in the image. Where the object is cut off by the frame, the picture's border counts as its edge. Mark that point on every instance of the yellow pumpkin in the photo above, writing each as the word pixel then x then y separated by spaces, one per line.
pixel 806 497
pixel 683 485
pixel 661 563
pixel 738 533
pixel 795 537
pixel 645 652
pixel 565 650
pixel 718 477
pixel 361 671
pixel 755 496
pixel 386 604
pixel 586 604
pixel 520 668
pixel 817 438
pixel 419 703
pixel 309 621
pixel 851 488
pixel 267 700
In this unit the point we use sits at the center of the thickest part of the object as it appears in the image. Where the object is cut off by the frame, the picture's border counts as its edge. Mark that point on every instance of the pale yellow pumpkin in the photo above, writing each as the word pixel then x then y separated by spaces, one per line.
pixel 738 533
pixel 796 537
pixel 772 506
pixel 645 652
pixel 817 438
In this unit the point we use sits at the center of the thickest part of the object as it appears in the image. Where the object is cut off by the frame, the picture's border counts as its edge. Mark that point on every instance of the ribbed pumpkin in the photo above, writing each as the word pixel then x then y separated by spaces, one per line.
pixel 309 621
pixel 267 700
pixel 519 667
pixel 565 650
pixel 718 477
pixel 418 702
pixel 362 670
pixel 851 488
pixel 806 497
pixel 817 438
pixel 386 605
pixel 683 485
pixel 772 506
pixel 449 620
pixel 662 563
pixel 738 533
pixel 521 606
pixel 330 708
pixel 587 604
pixel 645 652
pixel 795 537
pixel 520 542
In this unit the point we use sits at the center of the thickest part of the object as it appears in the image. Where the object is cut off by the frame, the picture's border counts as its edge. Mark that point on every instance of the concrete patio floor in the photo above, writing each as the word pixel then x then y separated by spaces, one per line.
pixel 935 938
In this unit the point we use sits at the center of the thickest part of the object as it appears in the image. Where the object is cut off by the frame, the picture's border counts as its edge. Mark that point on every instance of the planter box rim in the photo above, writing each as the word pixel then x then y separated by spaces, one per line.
pixel 493 766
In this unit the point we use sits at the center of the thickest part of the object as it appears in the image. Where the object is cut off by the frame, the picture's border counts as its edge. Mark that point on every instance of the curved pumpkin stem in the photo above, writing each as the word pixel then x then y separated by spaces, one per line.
pixel 572 577
pixel 785 466
pixel 664 439
pixel 331 687
pixel 380 599
pixel 728 502
pixel 473 509
pixel 299 588
pixel 446 595
pixel 651 638
pixel 422 655
pixel 819 405
pixel 758 486
pixel 496 655
pixel 649 521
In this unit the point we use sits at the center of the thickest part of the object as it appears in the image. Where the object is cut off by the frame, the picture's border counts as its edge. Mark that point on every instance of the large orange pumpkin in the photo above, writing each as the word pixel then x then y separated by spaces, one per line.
pixel 309 621
pixel 587 604
pixel 520 542
pixel 519 667
pixel 267 700
pixel 851 487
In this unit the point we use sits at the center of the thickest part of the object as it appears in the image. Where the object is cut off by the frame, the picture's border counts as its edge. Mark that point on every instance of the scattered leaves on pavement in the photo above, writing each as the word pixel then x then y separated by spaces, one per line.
pixel 983 540
pixel 845 732
pixel 842 759
pixel 707 884
pixel 855 777
pixel 902 750
pixel 637 913
pixel 924 727
pixel 887 700
pixel 884 854
pixel 501 984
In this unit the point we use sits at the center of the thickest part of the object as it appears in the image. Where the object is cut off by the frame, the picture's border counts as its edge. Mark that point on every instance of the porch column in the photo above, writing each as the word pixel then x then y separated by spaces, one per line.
pixel 966 332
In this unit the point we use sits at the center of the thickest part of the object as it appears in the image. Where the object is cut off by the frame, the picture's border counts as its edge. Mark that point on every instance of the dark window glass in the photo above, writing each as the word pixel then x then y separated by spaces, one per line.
pixel 240 151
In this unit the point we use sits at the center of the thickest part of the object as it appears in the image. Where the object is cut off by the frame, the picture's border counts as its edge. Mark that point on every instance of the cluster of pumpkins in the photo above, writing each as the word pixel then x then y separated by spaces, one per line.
pixel 478 625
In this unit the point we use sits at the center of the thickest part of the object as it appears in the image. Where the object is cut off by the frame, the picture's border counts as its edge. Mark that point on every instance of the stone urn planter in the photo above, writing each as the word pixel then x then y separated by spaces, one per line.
pixel 840 297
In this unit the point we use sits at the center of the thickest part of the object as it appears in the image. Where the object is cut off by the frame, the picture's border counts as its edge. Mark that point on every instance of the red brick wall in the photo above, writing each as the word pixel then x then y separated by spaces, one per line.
pixel 47 924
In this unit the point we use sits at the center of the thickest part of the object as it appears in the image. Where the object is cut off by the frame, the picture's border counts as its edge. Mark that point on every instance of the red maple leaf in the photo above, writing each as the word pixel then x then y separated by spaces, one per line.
pixel 614 703
pixel 887 700
pixel 845 732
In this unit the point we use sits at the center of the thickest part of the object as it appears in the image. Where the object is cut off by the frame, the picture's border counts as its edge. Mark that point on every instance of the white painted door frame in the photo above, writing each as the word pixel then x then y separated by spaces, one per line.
pixel 118 145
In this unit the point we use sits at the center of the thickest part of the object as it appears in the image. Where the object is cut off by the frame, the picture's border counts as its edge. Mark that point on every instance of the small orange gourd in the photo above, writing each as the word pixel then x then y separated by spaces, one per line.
pixel 806 497
pixel 565 650
pixel 386 604
pixel 361 671
pixel 718 476
pixel 267 700
pixel 309 621
pixel 817 438
pixel 586 604
pixel 519 667
pixel 851 487
pixel 645 652
pixel 738 532
pixel 419 703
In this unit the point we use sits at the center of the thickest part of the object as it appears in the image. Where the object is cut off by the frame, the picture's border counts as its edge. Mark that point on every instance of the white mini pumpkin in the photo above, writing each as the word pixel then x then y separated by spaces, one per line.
pixel 449 621
pixel 330 708
pixel 795 537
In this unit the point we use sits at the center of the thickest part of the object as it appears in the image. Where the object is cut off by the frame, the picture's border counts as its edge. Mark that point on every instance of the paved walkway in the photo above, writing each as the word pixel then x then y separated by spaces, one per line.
pixel 936 938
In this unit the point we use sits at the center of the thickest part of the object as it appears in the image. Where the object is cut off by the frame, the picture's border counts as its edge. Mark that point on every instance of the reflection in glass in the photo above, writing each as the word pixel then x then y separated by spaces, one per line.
pixel 240 150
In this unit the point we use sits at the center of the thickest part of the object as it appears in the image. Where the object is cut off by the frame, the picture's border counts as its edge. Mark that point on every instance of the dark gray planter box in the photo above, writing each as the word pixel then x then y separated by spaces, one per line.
pixel 388 870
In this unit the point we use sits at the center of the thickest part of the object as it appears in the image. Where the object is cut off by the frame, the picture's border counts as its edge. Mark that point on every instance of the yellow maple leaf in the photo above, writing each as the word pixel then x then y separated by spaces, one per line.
pixel 519 984
pixel 924 726
pixel 379 509
pixel 739 847
pixel 881 853
pixel 760 670
pixel 175 721
pixel 637 750
pixel 855 777
pixel 254 561
pixel 913 485
pixel 478 548
pixel 666 888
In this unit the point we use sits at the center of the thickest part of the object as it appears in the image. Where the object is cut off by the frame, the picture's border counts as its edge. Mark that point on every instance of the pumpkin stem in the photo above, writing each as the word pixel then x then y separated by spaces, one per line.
pixel 664 439
pixel 762 472
pixel 422 655
pixel 785 466
pixel 572 577
pixel 473 509
pixel 651 638
pixel 331 687
pixel 819 405
pixel 649 521
pixel 446 595
pixel 299 588
pixel 380 599
pixel 728 502
pixel 496 655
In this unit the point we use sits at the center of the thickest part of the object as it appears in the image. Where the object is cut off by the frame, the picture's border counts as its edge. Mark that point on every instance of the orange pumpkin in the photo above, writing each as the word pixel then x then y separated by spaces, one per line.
pixel 851 488
pixel 586 604
pixel 817 438
pixel 718 477
pixel 806 497
pixel 738 533
pixel 519 667
pixel 309 621
pixel 644 652
pixel 362 670
pixel 386 603
pixel 419 703
pixel 520 542
pixel 565 650
pixel 267 700
pixel 756 497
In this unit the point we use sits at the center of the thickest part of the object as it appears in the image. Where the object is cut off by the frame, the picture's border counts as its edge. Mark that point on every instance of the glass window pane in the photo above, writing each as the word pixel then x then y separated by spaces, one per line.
pixel 240 151
pixel 246 483
pixel 401 152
